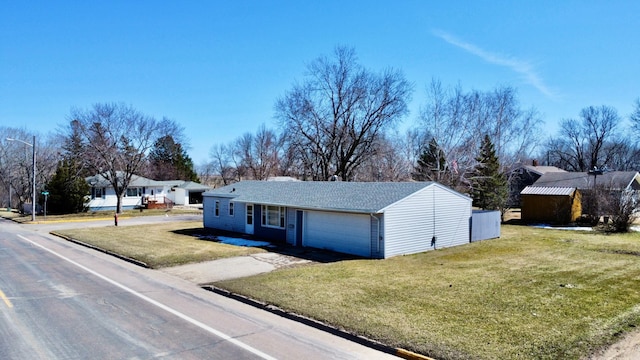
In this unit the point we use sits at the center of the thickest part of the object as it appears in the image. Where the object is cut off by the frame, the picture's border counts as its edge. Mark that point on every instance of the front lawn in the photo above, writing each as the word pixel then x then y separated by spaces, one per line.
pixel 533 294
pixel 159 245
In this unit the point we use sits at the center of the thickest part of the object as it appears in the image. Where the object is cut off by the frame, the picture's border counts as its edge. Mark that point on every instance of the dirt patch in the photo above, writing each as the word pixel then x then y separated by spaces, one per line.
pixel 628 348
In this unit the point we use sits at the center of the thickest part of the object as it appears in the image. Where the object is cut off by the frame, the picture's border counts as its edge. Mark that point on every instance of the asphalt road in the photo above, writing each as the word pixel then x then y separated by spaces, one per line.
pixel 62 301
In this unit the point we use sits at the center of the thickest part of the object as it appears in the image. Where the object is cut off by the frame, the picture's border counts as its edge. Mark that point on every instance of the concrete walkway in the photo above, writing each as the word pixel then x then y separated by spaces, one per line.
pixel 232 268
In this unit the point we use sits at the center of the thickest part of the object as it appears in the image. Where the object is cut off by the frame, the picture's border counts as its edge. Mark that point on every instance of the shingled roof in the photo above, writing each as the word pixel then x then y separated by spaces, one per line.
pixel 141 181
pixel 618 180
pixel 367 197
pixel 542 169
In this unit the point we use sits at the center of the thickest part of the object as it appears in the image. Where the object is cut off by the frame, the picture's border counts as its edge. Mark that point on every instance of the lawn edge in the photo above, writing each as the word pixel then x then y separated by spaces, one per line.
pixel 97 248
pixel 402 353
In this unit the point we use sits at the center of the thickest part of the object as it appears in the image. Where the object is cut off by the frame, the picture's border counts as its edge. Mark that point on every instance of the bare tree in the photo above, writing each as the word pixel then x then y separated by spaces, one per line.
pixel 625 156
pixel 254 156
pixel 263 154
pixel 592 141
pixel 117 138
pixel 16 165
pixel 619 207
pixel 334 118
pixel 221 164
pixel 635 117
pixel 388 162
pixel 457 120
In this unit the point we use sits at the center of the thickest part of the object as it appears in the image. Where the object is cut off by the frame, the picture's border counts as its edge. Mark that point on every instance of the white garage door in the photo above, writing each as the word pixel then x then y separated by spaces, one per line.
pixel 347 233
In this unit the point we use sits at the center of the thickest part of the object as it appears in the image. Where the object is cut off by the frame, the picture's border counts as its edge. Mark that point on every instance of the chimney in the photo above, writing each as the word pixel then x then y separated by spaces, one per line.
pixel 534 162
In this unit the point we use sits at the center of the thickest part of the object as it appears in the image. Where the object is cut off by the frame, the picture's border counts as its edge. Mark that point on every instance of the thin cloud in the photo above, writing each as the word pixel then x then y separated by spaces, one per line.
pixel 523 68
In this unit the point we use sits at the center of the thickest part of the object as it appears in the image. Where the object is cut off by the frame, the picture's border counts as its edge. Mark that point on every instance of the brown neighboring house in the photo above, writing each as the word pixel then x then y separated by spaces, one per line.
pixel 526 175
pixel 586 182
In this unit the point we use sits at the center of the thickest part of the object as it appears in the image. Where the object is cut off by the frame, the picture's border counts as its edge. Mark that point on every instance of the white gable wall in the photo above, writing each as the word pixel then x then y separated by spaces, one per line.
pixel 179 196
pixel 411 224
pixel 453 218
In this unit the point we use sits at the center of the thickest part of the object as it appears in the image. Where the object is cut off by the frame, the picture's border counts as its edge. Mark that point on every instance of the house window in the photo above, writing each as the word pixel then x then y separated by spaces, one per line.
pixel 230 209
pixel 216 210
pixel 98 193
pixel 133 192
pixel 273 216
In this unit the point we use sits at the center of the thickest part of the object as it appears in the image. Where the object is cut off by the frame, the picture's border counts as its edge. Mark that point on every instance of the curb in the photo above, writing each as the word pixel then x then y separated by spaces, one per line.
pixel 402 353
pixel 121 257
pixel 399 352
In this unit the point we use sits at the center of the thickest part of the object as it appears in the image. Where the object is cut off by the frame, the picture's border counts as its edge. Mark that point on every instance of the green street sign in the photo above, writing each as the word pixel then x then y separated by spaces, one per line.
pixel 45 193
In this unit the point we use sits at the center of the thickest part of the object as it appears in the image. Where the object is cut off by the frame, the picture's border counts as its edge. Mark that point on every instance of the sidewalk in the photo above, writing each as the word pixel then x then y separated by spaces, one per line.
pixel 224 269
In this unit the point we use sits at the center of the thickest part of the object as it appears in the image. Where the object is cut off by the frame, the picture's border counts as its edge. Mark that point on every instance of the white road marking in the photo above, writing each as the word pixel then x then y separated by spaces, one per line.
pixel 158 304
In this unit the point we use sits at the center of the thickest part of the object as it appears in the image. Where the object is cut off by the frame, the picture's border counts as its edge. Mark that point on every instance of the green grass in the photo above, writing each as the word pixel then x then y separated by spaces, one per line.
pixel 533 294
pixel 94 215
pixel 159 245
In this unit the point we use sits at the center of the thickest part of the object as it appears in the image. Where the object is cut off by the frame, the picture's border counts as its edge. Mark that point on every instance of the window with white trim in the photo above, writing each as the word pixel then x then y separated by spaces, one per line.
pixel 273 216
pixel 98 193
pixel 249 214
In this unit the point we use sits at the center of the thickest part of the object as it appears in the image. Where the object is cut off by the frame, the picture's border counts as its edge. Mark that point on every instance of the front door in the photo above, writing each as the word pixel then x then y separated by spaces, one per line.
pixel 249 223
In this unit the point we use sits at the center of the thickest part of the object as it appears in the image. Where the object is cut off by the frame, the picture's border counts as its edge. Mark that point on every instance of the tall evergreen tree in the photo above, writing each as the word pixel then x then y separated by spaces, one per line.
pixel 66 189
pixel 489 185
pixel 431 164
pixel 169 161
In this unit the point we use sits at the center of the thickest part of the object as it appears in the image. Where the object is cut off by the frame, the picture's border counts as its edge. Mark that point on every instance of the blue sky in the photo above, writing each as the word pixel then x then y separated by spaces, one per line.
pixel 217 67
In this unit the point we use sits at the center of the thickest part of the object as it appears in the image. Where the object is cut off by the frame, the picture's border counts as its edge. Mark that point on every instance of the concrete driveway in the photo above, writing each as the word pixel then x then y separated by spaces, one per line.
pixel 209 271
pixel 231 268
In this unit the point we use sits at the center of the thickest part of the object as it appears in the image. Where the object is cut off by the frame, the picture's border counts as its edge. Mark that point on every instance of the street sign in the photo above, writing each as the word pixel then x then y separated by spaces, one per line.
pixel 45 193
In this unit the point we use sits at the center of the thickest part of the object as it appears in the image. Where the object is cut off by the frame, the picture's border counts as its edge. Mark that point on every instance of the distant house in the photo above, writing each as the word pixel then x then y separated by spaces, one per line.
pixel 585 182
pixel 552 205
pixel 544 196
pixel 375 220
pixel 143 193
pixel 526 175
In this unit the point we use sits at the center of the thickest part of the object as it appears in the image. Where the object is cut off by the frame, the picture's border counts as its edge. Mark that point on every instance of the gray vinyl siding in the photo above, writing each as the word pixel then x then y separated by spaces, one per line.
pixel 411 223
pixel 485 224
pixel 235 223
pixel 453 218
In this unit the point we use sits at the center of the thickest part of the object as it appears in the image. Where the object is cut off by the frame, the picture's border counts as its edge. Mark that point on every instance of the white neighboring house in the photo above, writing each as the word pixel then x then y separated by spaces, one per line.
pixel 143 193
pixel 369 219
